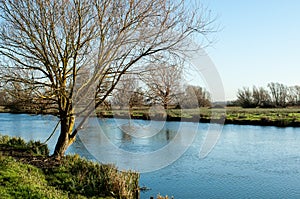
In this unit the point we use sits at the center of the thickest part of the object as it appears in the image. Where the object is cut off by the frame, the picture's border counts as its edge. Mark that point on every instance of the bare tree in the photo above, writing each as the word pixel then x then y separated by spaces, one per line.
pixel 261 97
pixel 163 79
pixel 4 98
pixel 195 96
pixel 245 98
pixel 124 90
pixel 137 98
pixel 257 97
pixel 279 93
pixel 296 90
pixel 49 45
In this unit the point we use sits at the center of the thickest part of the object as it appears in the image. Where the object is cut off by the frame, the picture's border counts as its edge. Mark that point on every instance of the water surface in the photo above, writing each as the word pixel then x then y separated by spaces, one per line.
pixel 247 162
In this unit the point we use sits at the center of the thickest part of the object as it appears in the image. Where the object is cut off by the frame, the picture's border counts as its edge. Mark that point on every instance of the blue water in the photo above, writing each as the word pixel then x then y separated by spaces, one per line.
pixel 247 161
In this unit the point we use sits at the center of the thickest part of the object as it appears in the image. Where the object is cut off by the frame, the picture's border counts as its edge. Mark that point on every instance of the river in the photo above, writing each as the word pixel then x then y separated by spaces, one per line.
pixel 246 162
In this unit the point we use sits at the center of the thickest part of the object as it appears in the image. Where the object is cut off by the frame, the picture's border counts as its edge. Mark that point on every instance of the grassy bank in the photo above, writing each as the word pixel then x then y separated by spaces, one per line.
pixel 281 117
pixel 26 171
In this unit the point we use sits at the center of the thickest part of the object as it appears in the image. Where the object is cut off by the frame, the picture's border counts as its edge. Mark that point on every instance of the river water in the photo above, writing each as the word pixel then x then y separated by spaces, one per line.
pixel 246 162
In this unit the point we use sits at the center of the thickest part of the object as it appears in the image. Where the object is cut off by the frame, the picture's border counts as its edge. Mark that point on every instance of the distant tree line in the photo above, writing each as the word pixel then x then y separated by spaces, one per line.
pixel 275 95
pixel 130 94
pixel 127 94
pixel 19 98
pixel 160 84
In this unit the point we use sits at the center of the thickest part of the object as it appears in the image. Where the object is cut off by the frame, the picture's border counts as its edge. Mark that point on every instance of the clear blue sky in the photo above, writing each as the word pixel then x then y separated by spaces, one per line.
pixel 259 42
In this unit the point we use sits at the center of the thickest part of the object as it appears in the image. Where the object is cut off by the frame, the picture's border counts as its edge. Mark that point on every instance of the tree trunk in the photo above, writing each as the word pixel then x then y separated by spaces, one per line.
pixel 165 105
pixel 64 139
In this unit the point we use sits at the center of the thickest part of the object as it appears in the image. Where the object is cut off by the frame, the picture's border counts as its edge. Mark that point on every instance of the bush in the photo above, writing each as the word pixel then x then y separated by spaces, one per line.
pixel 32 147
pixel 38 148
pixel 80 176
pixel 16 142
pixel 4 139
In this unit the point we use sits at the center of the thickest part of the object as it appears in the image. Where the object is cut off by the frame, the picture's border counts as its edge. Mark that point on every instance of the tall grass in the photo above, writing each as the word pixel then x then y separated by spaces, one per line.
pixel 17 143
pixel 80 176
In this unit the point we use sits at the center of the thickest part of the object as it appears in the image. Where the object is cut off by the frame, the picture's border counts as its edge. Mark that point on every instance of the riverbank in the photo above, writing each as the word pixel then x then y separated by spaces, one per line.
pixel 280 117
pixel 28 172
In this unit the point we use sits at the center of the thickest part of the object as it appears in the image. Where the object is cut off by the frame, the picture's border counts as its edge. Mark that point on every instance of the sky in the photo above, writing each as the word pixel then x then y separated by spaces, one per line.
pixel 258 42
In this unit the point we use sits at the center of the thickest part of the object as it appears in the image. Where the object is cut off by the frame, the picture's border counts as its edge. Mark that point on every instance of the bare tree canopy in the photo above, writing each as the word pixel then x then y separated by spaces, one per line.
pixel 125 89
pixel 163 79
pixel 195 96
pixel 275 95
pixel 63 51
pixel 279 93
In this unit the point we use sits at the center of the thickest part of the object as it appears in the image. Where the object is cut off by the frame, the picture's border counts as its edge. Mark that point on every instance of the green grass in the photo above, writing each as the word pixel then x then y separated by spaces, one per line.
pixel 290 114
pixel 260 116
pixel 18 180
pixel 74 177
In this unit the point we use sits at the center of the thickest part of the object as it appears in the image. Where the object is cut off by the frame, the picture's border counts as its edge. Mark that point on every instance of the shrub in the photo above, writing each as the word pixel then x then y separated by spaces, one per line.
pixel 32 147
pixel 38 148
pixel 80 176
pixel 16 142
pixel 4 139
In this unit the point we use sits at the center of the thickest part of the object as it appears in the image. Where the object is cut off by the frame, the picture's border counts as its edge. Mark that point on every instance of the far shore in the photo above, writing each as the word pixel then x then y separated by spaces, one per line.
pixel 257 122
pixel 279 117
